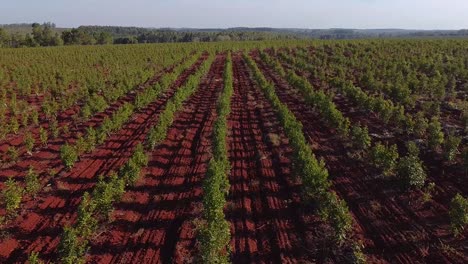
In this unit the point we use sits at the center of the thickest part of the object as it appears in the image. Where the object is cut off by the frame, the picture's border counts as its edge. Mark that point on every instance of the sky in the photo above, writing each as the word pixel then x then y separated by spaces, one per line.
pixel 407 14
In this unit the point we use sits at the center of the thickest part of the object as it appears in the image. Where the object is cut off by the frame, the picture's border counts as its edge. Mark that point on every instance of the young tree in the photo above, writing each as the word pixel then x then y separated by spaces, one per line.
pixel 33 185
pixel 384 158
pixel 29 142
pixel 68 155
pixel 451 144
pixel 43 136
pixel 411 171
pixel 458 214
pixel 436 136
pixel 360 137
pixel 12 195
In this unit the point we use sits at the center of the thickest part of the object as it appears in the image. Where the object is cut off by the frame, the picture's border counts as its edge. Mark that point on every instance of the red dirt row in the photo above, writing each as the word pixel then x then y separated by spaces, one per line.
pixel 270 223
pixel 39 224
pixel 393 225
pixel 154 223
pixel 50 154
pixel 66 118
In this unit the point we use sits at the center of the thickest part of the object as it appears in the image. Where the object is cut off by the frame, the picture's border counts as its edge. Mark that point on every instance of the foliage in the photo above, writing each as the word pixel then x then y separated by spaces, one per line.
pixel 68 155
pixel 215 234
pixel 43 136
pixel 29 142
pixel 34 258
pixel 12 195
pixel 458 214
pixel 451 144
pixel 312 171
pixel 54 129
pixel 72 248
pixel 384 157
pixel 33 185
pixel 435 134
pixel 360 137
pixel 410 170
pixel 86 224
pixel 12 152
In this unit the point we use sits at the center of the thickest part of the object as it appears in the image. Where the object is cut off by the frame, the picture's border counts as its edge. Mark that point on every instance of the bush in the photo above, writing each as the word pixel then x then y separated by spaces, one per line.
pixel 106 193
pixel 54 129
pixel 72 248
pixel 29 142
pixel 451 144
pixel 12 195
pixel 91 138
pixel 33 185
pixel 421 125
pixel 436 136
pixel 458 214
pixel 86 224
pixel 336 212
pixel 360 138
pixel 411 171
pixel 13 153
pixel 34 258
pixel 14 125
pixel 43 136
pixel 384 158
pixel 68 155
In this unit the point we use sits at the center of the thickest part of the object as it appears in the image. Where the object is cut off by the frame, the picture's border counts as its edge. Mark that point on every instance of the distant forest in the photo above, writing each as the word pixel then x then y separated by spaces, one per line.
pixel 47 34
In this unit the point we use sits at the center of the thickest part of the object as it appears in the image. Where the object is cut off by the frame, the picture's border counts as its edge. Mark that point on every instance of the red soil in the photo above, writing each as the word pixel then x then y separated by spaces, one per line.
pixel 50 153
pixel 270 223
pixel 39 224
pixel 394 225
pixel 66 118
pixel 154 223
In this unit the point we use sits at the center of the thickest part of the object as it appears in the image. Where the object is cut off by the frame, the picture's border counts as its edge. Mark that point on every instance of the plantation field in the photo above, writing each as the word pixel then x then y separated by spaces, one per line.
pixel 265 152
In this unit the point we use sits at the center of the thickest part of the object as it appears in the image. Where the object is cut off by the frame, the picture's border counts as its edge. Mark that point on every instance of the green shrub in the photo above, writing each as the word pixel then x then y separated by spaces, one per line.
pixel 458 214
pixel 34 258
pixel 384 158
pixel 68 155
pixel 411 171
pixel 33 185
pixel 12 152
pixel 12 195
pixel 106 193
pixel 72 248
pixel 86 224
pixel 29 142
pixel 451 144
pixel 14 125
pixel 360 138
pixel 436 136
pixel 43 136
pixel 54 129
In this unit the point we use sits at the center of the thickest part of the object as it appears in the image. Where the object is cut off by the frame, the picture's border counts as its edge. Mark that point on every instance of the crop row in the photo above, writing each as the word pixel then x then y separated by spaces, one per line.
pixel 313 173
pixel 215 234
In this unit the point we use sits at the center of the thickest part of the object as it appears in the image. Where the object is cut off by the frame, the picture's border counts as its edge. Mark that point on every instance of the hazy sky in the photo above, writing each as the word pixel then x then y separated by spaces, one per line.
pixel 410 14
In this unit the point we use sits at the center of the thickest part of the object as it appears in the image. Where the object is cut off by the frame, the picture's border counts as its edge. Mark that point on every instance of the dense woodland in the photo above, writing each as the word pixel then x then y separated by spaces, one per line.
pixel 47 35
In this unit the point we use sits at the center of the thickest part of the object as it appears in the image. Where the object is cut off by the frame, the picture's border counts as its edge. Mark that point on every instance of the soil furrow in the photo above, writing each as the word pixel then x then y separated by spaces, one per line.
pixel 269 221
pixel 155 220
pixel 41 220
pixel 391 223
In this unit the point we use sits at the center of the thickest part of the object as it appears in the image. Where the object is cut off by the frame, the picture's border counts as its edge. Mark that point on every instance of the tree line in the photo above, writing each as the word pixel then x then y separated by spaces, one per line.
pixel 43 35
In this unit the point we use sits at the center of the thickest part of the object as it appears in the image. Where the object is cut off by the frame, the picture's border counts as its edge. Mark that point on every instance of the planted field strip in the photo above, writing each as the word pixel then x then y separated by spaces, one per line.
pixel 448 177
pixel 48 157
pixel 154 222
pixel 379 209
pixel 269 221
pixel 66 118
pixel 38 226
